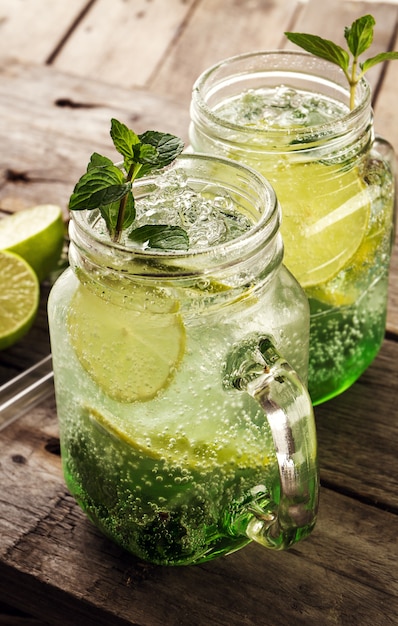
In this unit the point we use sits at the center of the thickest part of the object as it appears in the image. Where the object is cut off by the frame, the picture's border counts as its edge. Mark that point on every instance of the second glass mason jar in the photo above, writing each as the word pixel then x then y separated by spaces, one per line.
pixel 184 431
pixel 287 115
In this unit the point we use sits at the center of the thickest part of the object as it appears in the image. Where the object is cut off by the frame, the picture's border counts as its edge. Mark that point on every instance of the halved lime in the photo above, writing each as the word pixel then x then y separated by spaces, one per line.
pixel 19 298
pixel 36 234
pixel 325 213
pixel 131 349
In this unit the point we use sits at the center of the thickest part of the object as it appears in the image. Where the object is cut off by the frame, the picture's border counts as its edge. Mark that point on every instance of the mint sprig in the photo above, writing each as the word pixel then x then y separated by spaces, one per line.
pixel 109 188
pixel 359 38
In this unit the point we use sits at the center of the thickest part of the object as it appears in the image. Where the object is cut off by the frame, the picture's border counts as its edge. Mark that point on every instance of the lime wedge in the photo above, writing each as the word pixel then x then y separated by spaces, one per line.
pixel 325 213
pixel 131 352
pixel 19 298
pixel 36 234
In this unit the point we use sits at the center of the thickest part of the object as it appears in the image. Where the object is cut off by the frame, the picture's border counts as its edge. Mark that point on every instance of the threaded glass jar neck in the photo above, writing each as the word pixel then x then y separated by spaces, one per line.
pixel 257 252
pixel 296 70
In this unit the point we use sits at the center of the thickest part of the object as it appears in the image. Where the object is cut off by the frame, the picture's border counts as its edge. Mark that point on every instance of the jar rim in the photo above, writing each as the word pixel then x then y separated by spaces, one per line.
pixel 279 62
pixel 263 230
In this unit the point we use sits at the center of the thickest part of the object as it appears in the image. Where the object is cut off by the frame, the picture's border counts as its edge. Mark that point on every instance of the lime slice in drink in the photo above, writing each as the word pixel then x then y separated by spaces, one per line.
pixel 19 298
pixel 36 234
pixel 347 288
pixel 130 350
pixel 176 448
pixel 325 213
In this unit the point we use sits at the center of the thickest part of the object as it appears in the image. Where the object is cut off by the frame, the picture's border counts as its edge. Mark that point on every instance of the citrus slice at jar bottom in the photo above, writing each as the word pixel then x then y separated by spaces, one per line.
pixel 177 448
pixel 325 213
pixel 19 298
pixel 36 234
pixel 131 353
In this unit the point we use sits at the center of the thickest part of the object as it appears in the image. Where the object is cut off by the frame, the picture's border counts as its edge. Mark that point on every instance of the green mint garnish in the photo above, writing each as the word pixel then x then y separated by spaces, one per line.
pixel 109 188
pixel 159 236
pixel 359 38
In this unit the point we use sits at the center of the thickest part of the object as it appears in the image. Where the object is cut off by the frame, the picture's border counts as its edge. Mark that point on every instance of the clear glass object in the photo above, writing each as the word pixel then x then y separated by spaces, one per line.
pixel 287 115
pixel 186 428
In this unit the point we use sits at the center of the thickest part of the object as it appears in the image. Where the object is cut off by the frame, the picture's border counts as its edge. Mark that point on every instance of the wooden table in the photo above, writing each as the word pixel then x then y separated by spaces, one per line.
pixel 66 68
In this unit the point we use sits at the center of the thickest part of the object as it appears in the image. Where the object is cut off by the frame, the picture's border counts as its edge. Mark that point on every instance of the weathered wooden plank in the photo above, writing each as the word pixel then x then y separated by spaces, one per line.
pixel 123 41
pixel 31 31
pixel 54 123
pixel 10 616
pixel 53 562
pixel 217 30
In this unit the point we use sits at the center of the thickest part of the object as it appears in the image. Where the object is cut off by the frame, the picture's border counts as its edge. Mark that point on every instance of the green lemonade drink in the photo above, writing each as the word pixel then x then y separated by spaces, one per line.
pixel 287 115
pixel 184 432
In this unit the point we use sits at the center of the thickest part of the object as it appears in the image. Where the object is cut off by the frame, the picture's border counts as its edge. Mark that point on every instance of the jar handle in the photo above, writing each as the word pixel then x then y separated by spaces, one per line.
pixel 256 367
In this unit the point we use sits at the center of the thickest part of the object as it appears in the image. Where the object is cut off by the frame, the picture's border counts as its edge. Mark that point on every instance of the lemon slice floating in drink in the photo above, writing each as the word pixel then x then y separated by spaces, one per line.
pixel 131 352
pixel 325 214
pixel 19 298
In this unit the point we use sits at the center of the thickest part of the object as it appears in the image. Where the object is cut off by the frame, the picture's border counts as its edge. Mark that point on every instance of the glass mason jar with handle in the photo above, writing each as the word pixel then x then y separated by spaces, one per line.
pixel 287 115
pixel 186 428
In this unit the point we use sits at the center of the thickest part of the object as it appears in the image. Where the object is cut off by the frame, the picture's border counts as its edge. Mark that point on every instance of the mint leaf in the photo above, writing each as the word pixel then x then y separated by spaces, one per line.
pixel 168 146
pixel 107 195
pixel 161 236
pixel 97 160
pixel 100 185
pixel 320 47
pixel 123 138
pixel 145 154
pixel 379 58
pixel 360 36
